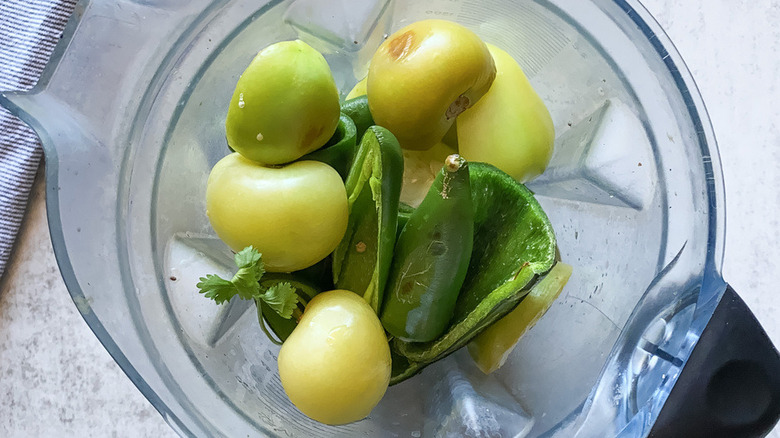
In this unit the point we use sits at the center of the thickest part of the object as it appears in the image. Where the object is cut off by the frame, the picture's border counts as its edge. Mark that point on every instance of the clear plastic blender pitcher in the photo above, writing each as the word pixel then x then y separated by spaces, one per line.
pixel 131 114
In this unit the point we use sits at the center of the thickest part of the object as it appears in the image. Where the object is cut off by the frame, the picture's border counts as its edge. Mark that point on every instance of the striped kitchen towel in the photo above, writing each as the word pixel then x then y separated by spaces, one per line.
pixel 29 30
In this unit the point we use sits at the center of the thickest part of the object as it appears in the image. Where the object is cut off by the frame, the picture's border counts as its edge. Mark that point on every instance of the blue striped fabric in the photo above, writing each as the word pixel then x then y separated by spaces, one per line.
pixel 29 29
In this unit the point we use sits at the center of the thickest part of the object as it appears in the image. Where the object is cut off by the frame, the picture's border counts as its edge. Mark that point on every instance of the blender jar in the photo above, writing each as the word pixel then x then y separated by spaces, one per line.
pixel 131 115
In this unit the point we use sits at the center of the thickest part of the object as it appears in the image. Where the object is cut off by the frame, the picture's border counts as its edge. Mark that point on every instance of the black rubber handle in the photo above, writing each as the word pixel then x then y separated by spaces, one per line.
pixel 730 386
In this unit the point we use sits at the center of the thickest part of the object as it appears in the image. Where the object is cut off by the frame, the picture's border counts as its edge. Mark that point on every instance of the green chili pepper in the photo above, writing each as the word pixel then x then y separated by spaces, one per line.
pixel 319 276
pixel 362 260
pixel 514 246
pixel 357 110
pixel 431 258
pixel 404 213
pixel 403 368
pixel 339 151
pixel 282 327
pixel 307 283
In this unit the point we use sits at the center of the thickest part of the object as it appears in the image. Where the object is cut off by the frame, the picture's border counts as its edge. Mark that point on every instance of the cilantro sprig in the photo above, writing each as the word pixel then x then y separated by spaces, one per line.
pixel 280 297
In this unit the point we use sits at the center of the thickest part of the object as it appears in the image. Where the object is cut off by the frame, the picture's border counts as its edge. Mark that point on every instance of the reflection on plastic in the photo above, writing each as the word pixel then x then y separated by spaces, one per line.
pixel 602 159
pixel 466 403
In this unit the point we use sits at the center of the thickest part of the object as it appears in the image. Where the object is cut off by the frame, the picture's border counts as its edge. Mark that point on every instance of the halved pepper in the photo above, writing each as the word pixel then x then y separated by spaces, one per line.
pixel 307 283
pixel 362 260
pixel 514 245
pixel 357 110
pixel 283 327
pixel 431 258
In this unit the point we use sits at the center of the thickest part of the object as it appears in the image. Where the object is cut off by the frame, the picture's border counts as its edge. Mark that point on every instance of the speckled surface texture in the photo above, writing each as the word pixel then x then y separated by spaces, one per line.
pixel 56 380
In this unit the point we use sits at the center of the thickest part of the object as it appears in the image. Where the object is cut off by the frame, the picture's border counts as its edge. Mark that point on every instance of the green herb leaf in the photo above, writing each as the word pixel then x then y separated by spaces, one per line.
pixel 250 270
pixel 282 298
pixel 244 282
pixel 216 288
pixel 250 257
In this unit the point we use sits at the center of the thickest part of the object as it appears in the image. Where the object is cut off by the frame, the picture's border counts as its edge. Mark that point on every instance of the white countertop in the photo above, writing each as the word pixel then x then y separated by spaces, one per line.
pixel 57 380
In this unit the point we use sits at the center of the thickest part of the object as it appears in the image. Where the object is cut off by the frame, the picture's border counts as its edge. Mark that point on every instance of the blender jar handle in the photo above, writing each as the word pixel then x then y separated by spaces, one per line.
pixel 730 386
pixel 115 46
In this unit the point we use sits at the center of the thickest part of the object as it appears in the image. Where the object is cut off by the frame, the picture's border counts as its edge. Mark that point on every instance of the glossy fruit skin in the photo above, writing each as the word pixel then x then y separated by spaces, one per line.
pixel 335 366
pixel 358 90
pixel 431 258
pixel 423 76
pixel 510 127
pixel 339 151
pixel 285 104
pixel 295 215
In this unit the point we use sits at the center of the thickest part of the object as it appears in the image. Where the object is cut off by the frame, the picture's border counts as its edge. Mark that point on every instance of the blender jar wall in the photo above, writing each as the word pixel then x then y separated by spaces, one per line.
pixel 620 213
pixel 630 191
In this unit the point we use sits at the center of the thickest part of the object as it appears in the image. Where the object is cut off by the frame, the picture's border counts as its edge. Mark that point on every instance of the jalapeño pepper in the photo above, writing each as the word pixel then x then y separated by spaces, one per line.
pixel 431 258
pixel 361 262
pixel 357 110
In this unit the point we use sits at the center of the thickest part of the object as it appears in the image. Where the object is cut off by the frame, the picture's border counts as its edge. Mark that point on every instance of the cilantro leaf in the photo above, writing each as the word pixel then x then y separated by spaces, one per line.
pixel 216 288
pixel 250 270
pixel 250 257
pixel 282 298
pixel 244 282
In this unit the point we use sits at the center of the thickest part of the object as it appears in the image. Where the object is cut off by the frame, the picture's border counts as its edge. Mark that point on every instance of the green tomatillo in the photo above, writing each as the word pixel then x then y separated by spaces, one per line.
pixel 285 105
